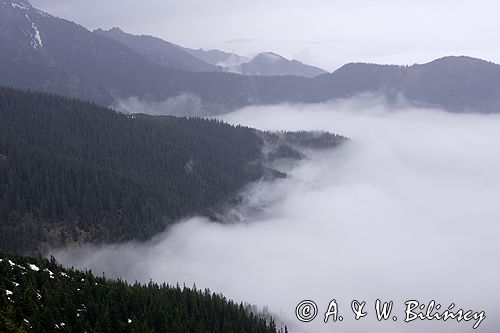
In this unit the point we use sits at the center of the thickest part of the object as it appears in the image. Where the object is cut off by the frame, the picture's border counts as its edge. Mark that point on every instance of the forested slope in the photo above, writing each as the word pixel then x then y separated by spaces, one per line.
pixel 37 295
pixel 71 171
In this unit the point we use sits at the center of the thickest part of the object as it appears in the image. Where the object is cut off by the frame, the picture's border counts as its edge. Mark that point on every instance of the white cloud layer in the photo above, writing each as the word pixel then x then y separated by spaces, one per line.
pixel 180 105
pixel 407 210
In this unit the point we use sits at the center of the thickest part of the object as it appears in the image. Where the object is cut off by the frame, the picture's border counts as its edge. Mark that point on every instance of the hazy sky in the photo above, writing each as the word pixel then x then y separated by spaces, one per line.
pixel 326 33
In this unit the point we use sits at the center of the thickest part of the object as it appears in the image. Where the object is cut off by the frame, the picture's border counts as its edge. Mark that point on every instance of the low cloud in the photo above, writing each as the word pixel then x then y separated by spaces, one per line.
pixel 181 105
pixel 407 210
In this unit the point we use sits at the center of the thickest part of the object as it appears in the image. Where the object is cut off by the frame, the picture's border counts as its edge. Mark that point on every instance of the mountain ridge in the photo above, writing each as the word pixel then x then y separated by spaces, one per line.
pixel 159 51
pixel 272 64
pixel 218 57
pixel 77 63
pixel 40 295
pixel 175 56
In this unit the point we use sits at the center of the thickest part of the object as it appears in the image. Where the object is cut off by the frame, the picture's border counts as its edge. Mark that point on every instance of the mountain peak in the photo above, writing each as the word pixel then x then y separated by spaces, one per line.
pixel 116 29
pixel 272 64
pixel 460 60
pixel 158 50
pixel 20 22
pixel 270 56
pixel 21 7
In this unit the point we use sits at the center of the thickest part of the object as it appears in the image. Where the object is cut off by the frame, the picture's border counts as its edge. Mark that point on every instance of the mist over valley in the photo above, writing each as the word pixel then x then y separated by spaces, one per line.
pixel 250 167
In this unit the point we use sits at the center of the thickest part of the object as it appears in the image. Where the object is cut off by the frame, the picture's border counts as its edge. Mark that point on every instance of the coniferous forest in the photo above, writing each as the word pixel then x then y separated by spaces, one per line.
pixel 75 172
pixel 38 295
pixel 147 150
pixel 72 171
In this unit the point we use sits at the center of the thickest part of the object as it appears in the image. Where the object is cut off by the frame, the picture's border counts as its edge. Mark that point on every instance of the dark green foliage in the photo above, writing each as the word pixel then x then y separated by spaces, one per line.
pixel 73 171
pixel 306 139
pixel 287 145
pixel 83 302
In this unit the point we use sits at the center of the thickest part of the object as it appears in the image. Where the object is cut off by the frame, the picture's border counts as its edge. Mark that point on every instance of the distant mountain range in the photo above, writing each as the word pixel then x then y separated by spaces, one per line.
pixel 42 52
pixel 159 51
pixel 167 54
pixel 229 61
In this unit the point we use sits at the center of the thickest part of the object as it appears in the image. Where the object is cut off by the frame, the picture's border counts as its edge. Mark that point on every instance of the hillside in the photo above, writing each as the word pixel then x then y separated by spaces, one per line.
pixel 457 84
pixel 159 51
pixel 38 295
pixel 71 171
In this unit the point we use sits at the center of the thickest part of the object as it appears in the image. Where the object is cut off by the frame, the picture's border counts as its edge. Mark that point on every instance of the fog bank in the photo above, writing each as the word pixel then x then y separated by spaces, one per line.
pixel 407 210
pixel 181 105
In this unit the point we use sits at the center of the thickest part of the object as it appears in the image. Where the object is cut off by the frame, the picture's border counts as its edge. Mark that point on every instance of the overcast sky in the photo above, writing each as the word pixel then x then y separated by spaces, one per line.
pixel 325 33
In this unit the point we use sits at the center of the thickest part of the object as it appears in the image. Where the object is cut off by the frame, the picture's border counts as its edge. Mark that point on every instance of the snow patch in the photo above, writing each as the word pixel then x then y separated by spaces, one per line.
pixel 51 275
pixel 37 39
pixel 19 6
pixel 13 264
pixel 33 267
pixel 8 292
